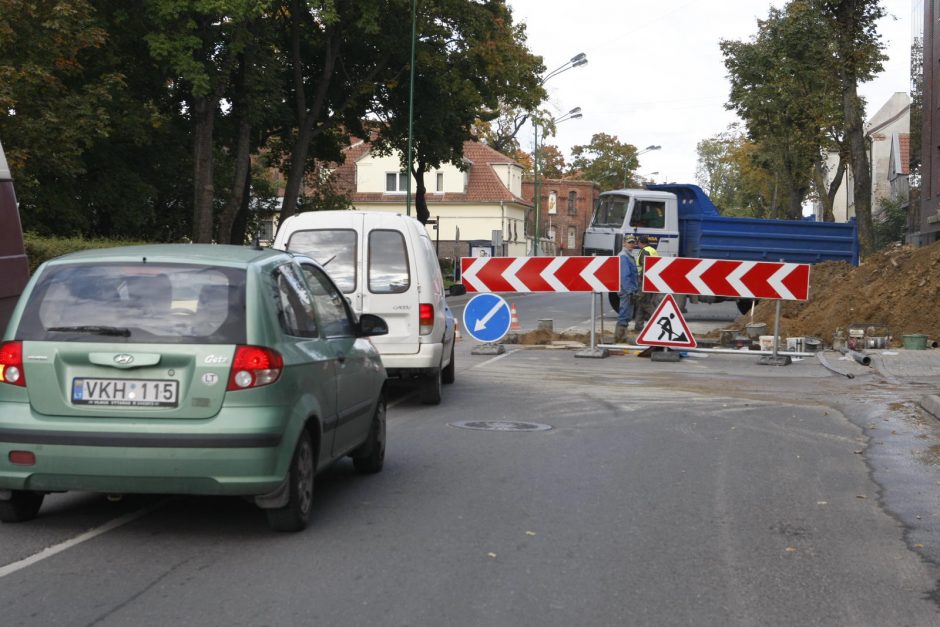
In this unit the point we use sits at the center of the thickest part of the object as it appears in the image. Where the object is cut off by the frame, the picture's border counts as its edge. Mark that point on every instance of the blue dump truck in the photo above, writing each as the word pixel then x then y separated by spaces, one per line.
pixel 14 270
pixel 682 221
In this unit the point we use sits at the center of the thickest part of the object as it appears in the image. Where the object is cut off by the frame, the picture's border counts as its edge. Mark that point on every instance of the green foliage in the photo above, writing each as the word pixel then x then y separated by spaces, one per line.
pixel 891 224
pixel 40 249
pixel 606 161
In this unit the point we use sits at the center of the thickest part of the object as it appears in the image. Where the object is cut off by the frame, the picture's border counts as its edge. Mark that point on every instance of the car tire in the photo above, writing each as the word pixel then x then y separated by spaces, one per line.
pixel 369 458
pixel 430 387
pixel 296 514
pixel 21 506
pixel 449 375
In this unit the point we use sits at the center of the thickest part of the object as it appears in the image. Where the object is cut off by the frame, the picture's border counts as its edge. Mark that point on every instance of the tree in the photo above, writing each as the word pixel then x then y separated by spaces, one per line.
pixel 551 162
pixel 52 106
pixel 605 160
pixel 856 58
pixel 731 171
pixel 470 59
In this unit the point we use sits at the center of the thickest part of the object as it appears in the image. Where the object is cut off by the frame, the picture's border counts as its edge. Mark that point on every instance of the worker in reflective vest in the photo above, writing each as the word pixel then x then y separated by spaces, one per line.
pixel 644 303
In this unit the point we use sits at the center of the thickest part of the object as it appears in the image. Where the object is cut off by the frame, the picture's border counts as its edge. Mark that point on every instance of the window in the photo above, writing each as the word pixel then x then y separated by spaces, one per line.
pixel 388 263
pixel 330 303
pixel 396 182
pixel 440 181
pixel 146 302
pixel 611 211
pixel 649 214
pixel 572 203
pixel 334 249
pixel 572 237
pixel 295 303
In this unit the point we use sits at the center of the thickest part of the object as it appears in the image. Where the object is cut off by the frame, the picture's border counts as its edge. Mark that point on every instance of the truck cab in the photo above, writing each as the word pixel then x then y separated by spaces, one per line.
pixel 635 211
pixel 14 270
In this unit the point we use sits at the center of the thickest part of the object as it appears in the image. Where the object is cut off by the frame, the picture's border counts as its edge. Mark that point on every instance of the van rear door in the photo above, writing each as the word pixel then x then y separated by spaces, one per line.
pixel 14 271
pixel 389 285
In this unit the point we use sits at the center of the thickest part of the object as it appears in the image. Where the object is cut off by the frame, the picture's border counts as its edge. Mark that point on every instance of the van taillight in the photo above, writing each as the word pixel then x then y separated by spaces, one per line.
pixel 254 366
pixel 425 318
pixel 11 364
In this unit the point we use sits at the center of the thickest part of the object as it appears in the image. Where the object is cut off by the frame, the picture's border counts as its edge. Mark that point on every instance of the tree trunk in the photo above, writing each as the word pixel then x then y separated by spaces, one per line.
pixel 861 173
pixel 421 201
pixel 239 186
pixel 204 116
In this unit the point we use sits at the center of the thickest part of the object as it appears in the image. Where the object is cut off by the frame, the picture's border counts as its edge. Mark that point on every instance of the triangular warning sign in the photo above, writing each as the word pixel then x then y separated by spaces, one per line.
pixel 667 327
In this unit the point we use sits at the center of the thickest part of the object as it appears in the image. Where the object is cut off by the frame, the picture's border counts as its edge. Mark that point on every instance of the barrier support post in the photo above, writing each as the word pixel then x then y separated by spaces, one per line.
pixel 593 352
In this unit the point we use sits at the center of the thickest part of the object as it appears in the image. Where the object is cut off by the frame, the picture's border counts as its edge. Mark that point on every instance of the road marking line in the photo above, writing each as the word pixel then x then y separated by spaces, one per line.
pixel 55 549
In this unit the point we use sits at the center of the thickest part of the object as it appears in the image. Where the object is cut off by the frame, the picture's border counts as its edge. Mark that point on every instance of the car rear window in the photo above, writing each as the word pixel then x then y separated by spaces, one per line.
pixel 137 303
pixel 334 249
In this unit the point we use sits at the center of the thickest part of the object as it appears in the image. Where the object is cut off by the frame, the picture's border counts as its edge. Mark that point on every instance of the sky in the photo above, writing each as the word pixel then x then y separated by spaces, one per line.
pixel 655 74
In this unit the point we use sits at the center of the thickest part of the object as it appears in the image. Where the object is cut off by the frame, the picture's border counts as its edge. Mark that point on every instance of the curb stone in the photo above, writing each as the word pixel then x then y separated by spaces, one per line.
pixel 931 405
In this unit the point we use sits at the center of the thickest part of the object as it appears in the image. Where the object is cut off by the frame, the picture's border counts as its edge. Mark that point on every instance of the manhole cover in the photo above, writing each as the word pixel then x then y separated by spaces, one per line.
pixel 500 425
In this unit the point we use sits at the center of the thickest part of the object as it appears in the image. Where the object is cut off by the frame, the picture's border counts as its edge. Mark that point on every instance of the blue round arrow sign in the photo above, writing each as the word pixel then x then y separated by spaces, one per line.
pixel 486 317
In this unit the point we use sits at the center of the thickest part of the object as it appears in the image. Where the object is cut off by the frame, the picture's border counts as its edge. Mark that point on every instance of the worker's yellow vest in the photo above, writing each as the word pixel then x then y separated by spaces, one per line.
pixel 639 258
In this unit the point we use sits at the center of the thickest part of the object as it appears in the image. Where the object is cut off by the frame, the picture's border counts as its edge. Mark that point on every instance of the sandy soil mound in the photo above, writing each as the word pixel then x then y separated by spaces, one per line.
pixel 898 287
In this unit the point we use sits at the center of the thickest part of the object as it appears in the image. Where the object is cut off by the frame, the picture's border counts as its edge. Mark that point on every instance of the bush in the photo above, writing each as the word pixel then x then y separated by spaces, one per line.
pixel 40 249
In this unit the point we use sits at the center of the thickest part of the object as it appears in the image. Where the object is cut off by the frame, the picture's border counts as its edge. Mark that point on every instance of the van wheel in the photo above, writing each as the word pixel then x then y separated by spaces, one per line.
pixel 430 388
pixel 22 506
pixel 369 458
pixel 450 372
pixel 296 514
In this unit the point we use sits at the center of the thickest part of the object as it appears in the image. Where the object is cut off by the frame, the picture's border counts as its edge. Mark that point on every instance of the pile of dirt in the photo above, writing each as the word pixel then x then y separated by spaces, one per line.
pixel 898 287
pixel 544 337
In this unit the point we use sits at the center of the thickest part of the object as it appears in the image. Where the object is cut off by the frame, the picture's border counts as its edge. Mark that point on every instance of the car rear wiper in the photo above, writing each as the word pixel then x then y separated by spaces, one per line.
pixel 96 330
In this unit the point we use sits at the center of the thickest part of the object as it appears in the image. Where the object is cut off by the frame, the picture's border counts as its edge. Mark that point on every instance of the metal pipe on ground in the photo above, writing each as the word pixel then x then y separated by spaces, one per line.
pixel 861 358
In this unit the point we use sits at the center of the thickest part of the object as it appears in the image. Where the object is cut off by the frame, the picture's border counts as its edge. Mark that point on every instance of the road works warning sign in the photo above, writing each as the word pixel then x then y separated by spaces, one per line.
pixel 667 327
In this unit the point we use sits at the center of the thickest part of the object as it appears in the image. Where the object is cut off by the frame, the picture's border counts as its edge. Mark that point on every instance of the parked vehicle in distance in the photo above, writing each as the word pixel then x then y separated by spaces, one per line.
pixel 386 265
pixel 14 269
pixel 186 369
pixel 681 221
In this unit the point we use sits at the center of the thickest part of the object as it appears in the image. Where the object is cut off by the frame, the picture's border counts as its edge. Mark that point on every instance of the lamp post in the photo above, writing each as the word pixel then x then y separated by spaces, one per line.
pixel 626 167
pixel 574 114
pixel 411 107
pixel 576 61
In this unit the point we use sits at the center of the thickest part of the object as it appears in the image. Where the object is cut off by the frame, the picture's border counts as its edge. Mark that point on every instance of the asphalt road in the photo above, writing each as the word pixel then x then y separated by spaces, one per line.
pixel 707 492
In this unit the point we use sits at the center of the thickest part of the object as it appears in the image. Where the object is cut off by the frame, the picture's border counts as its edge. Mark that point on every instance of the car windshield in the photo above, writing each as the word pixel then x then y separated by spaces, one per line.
pixel 137 303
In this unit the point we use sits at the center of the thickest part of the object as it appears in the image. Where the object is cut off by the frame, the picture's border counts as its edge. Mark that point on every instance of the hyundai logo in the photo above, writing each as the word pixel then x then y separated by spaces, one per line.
pixel 123 359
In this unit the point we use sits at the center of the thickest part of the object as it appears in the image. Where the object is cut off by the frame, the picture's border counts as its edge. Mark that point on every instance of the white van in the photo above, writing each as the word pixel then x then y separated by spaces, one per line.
pixel 386 265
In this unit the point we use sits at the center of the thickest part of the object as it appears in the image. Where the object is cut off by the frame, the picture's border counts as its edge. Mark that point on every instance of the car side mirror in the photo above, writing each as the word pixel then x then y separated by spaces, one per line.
pixel 457 289
pixel 370 324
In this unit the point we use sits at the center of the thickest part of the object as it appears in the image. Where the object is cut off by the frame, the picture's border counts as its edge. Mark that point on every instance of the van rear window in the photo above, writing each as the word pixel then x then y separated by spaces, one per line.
pixel 388 263
pixel 334 249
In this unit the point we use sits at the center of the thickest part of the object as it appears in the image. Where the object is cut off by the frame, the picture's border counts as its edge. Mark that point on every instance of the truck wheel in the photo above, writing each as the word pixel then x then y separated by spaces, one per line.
pixel 614 299
pixel 744 304
pixel 21 506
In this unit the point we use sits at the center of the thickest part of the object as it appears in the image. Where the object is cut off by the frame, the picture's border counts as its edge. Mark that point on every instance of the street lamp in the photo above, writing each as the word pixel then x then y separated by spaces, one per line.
pixel 626 165
pixel 576 61
pixel 574 114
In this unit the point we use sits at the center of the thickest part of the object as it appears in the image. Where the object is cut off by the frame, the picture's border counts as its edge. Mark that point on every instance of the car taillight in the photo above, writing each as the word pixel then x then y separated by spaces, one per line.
pixel 425 318
pixel 254 366
pixel 11 364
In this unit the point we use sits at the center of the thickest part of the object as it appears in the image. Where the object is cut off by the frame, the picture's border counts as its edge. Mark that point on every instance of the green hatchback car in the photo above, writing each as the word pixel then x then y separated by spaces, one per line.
pixel 186 369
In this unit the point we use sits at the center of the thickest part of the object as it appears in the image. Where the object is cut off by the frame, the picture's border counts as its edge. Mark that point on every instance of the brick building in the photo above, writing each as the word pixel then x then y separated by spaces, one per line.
pixel 565 212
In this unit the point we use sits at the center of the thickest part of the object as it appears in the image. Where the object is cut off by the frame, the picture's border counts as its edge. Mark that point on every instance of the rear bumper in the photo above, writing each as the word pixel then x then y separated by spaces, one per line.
pixel 427 358
pixel 164 458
